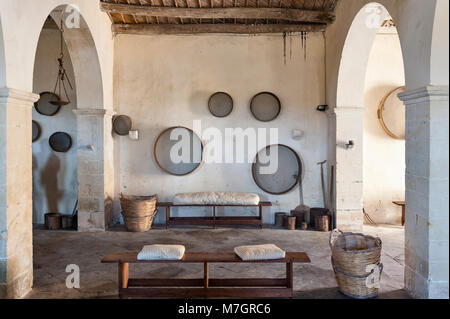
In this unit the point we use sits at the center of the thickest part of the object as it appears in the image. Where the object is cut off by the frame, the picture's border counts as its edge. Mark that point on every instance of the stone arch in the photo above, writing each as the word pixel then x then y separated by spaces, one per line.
pixel 84 56
pixel 439 45
pixel 355 54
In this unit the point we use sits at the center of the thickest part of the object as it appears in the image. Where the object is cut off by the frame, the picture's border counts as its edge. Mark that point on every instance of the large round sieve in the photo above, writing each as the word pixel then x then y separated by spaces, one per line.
pixel 178 151
pixel 391 113
pixel 277 169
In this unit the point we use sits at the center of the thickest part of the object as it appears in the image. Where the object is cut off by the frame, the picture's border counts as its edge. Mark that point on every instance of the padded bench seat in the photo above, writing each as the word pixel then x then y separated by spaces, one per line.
pixel 205 287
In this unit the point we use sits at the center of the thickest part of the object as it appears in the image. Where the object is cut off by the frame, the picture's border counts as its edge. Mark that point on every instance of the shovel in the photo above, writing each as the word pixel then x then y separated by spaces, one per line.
pixel 302 209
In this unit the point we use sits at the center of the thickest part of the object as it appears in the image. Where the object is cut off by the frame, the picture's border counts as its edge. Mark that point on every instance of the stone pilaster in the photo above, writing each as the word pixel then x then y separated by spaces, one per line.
pixel 346 124
pixel 16 242
pixel 427 192
pixel 95 169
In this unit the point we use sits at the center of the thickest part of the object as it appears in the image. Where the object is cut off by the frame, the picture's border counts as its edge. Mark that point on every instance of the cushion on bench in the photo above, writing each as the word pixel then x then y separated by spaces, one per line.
pixel 161 252
pixel 260 252
pixel 216 198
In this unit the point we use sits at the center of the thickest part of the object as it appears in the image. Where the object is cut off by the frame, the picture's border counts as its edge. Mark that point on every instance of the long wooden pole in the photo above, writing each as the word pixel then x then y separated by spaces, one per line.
pixel 152 29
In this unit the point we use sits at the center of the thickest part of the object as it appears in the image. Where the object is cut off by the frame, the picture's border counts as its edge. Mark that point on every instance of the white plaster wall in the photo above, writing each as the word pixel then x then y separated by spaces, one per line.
pixel 54 174
pixel 166 80
pixel 383 156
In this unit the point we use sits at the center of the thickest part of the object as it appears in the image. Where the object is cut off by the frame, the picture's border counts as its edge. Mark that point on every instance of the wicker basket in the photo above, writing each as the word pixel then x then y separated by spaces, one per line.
pixel 356 263
pixel 138 212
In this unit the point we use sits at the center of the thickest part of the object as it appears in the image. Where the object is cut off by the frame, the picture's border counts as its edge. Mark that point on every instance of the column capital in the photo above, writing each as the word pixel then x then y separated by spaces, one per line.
pixel 425 94
pixel 16 96
pixel 94 112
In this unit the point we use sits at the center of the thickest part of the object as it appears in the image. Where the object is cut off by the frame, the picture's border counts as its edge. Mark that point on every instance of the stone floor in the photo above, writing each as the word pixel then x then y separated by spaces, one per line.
pixel 54 250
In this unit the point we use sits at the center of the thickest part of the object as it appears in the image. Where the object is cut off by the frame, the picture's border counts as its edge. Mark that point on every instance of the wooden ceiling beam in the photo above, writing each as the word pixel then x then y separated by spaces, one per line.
pixel 286 14
pixel 151 29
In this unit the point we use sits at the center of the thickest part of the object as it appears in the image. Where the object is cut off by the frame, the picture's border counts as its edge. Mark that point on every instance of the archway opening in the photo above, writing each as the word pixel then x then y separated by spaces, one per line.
pixel 55 186
pixel 68 150
pixel 370 175
pixel 384 131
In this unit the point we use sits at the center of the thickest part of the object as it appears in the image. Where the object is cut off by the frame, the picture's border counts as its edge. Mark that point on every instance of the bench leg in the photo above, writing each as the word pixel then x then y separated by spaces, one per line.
pixel 206 275
pixel 290 276
pixel 123 276
pixel 167 216
pixel 260 217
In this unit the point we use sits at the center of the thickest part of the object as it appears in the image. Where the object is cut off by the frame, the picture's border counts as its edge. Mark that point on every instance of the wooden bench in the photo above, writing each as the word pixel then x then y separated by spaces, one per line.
pixel 205 287
pixel 214 220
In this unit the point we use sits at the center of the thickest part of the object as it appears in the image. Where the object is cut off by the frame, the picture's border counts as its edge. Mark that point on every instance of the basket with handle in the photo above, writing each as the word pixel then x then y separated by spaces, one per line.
pixel 356 263
pixel 138 212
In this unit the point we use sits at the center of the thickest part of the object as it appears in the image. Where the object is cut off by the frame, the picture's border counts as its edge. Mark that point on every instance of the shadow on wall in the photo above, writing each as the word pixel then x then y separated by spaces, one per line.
pixel 49 182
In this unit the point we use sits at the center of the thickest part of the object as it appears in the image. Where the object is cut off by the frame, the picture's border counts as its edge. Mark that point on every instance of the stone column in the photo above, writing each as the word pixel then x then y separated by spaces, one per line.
pixel 16 207
pixel 95 169
pixel 427 192
pixel 346 124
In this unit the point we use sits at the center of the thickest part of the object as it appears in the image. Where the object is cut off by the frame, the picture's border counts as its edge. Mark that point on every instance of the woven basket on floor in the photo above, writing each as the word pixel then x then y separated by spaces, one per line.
pixel 356 263
pixel 138 212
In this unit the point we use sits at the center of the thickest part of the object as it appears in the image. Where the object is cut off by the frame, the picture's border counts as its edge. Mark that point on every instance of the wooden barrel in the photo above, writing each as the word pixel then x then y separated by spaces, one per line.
pixel 322 223
pixel 279 219
pixel 67 221
pixel 317 212
pixel 291 223
pixel 53 221
pixel 300 217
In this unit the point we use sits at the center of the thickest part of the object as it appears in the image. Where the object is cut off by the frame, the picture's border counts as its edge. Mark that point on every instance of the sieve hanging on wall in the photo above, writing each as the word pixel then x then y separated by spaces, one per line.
pixel 122 125
pixel 391 114
pixel 36 131
pixel 60 142
pixel 220 104
pixel 277 169
pixel 192 149
pixel 265 106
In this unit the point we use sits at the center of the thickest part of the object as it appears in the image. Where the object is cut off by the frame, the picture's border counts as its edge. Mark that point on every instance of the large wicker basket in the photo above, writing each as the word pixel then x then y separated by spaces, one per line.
pixel 356 263
pixel 138 212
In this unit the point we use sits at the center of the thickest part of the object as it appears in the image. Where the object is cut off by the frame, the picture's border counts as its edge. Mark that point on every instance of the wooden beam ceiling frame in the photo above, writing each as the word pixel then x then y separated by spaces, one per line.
pixel 286 14
pixel 154 29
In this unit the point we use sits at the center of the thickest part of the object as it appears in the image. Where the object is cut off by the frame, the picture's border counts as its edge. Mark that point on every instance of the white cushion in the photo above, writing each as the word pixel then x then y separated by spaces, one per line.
pixel 161 252
pixel 260 252
pixel 216 198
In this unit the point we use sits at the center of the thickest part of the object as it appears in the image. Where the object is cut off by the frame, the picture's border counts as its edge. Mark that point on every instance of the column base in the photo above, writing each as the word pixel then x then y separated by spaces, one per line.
pixel 350 220
pixel 17 288
pixel 91 222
